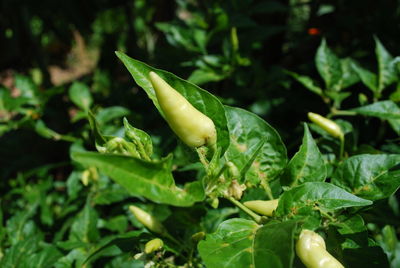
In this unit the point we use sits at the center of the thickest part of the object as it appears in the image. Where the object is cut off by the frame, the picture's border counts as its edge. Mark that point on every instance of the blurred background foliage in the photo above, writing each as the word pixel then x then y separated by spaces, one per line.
pixel 57 61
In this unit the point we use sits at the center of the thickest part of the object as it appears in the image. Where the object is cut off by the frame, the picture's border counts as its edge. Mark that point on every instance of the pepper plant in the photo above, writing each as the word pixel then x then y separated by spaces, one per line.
pixel 233 199
pixel 328 194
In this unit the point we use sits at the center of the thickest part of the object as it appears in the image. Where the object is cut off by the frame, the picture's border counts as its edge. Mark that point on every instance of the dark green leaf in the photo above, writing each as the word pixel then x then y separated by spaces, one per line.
pixel 337 96
pixel 369 176
pixel 111 194
pixel 117 224
pixel 248 132
pixel 349 75
pixel 125 242
pixel 368 78
pixel 395 124
pixel 316 194
pixel 274 245
pixel 19 227
pixel 388 240
pixel 386 66
pixel 45 258
pixel 84 227
pixel 328 65
pixel 74 258
pixel 152 180
pixel 307 82
pixel 202 76
pixel 105 115
pixel 200 99
pixel 44 131
pixel 243 243
pixel 382 109
pixel 100 140
pixel 354 224
pixel 18 253
pixel 74 184
pixel 214 217
pixel 306 165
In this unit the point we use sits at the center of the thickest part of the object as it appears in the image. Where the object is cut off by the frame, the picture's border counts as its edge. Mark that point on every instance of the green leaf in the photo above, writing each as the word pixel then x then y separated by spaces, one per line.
pixel 394 96
pixel 105 115
pixel 74 184
pixel 74 258
pixel 9 103
pixel 111 194
pixel 125 242
pixel 214 217
pixel 328 65
pixel 306 165
pixel 243 243
pixel 352 225
pixel 395 124
pixel 116 224
pixel 371 177
pixel 248 132
pixel 80 95
pixel 199 98
pixel 45 132
pixel 27 89
pixel 337 96
pixel 152 180
pixel 386 110
pixel 45 258
pixel 19 227
pixel 84 227
pixel 368 78
pixel 16 255
pixel 386 66
pixel 202 76
pixel 100 140
pixel 311 194
pixel 141 139
pixel 306 81
pixel 382 109
pixel 190 39
pixel 349 75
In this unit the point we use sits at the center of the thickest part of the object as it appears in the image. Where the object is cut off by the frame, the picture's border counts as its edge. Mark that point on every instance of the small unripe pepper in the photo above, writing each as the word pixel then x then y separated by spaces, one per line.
pixel 326 124
pixel 262 207
pixel 147 220
pixel 153 245
pixel 311 250
pixel 194 128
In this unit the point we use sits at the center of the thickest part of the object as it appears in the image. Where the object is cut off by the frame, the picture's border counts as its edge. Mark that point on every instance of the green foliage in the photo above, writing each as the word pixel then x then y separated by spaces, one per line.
pixel 64 205
pixel 307 164
pixel 245 244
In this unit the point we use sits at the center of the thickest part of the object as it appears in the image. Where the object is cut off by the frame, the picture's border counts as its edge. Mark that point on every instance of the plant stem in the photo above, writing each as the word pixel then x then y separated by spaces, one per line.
pixel 335 112
pixel 202 156
pixel 341 147
pixel 326 215
pixel 256 218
